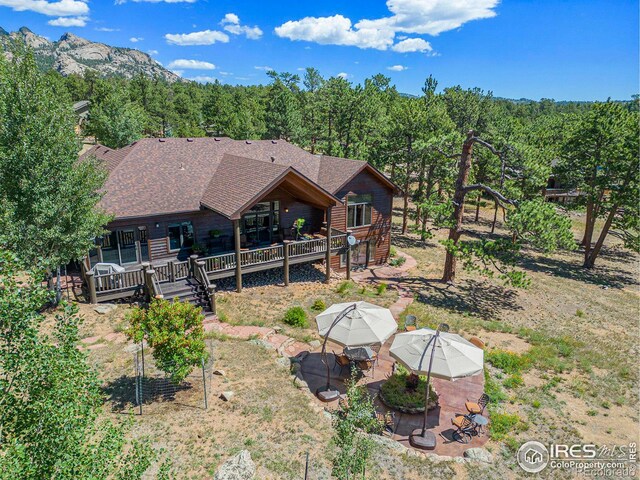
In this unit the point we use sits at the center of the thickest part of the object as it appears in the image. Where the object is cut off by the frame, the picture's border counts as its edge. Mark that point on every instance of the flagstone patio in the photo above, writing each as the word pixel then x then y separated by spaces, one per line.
pixel 452 396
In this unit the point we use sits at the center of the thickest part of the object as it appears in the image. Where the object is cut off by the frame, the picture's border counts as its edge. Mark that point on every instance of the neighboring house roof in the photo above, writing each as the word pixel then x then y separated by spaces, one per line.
pixel 170 175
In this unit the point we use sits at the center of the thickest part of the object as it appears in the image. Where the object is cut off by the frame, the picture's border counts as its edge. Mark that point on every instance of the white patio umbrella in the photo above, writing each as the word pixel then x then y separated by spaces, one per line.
pixel 435 353
pixel 352 324
pixel 362 323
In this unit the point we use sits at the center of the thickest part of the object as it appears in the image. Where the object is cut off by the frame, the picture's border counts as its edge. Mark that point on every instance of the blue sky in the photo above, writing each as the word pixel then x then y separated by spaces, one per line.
pixel 561 49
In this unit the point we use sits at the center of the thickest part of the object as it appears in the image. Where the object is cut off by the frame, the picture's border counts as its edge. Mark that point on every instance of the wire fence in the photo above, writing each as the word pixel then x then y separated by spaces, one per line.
pixel 153 385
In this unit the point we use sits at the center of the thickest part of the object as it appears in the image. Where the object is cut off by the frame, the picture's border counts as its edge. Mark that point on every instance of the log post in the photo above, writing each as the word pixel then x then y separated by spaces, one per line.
pixel 211 290
pixel 328 259
pixel 172 271
pixel 138 251
pixel 148 283
pixel 192 264
pixel 236 241
pixel 99 251
pixel 91 284
pixel 349 233
pixel 286 262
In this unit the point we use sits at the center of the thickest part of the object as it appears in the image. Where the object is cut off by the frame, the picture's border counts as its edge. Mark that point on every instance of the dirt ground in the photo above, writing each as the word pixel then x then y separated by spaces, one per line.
pixel 588 393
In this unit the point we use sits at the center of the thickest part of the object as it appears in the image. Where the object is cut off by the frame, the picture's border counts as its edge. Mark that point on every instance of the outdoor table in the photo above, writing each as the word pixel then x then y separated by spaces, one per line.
pixel 479 420
pixel 357 354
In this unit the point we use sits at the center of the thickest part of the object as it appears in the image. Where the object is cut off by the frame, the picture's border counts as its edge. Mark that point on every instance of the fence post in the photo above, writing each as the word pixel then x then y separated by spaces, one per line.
pixel 139 251
pixel 91 284
pixel 211 290
pixel 148 282
pixel 99 251
pixel 204 383
pixel 286 262
pixel 192 264
pixel 172 271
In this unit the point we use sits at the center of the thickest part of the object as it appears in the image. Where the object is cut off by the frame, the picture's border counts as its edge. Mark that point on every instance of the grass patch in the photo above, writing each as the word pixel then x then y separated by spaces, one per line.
pixel 502 424
pixel 295 317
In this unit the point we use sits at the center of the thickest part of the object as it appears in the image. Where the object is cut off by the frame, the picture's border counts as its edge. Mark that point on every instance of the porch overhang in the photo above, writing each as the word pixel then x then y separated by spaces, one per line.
pixel 252 180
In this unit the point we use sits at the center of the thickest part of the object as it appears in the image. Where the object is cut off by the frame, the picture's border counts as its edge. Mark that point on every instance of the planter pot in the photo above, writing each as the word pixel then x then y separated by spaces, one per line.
pixel 409 410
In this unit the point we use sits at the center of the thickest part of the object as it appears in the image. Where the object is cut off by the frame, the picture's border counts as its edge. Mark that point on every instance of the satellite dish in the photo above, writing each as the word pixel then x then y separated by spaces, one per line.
pixel 351 240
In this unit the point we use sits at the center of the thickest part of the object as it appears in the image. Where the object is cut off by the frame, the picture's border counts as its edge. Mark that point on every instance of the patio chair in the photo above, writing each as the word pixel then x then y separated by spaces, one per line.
pixel 410 323
pixel 477 342
pixel 342 361
pixel 367 365
pixel 477 408
pixel 465 428
pixel 387 421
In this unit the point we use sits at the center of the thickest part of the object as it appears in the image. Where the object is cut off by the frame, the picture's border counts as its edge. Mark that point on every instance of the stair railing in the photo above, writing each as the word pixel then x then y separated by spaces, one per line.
pixel 200 276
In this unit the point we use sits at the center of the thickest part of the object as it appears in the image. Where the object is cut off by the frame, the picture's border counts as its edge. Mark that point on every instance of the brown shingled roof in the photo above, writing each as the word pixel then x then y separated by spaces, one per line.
pixel 163 176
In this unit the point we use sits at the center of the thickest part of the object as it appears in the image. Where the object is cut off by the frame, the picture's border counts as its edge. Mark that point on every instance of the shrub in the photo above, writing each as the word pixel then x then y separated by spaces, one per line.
pixel 318 305
pixel 397 261
pixel 353 418
pixel 344 287
pixel 174 330
pixel 381 288
pixel 397 395
pixel 508 362
pixel 504 423
pixel 296 317
pixel 513 381
pixel 393 252
pixel 579 313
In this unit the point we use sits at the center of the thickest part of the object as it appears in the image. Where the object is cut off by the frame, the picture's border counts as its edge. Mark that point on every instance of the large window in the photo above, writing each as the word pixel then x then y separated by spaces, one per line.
pixel 180 235
pixel 359 210
pixel 261 224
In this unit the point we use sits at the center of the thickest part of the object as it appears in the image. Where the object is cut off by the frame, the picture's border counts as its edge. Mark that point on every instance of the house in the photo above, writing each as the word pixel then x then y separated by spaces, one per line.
pixel 225 199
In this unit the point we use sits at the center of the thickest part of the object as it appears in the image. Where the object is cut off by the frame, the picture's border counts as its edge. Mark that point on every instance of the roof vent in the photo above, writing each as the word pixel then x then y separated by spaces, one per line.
pixel 248 142
pixel 274 141
pixel 162 139
pixel 273 159
pixel 189 139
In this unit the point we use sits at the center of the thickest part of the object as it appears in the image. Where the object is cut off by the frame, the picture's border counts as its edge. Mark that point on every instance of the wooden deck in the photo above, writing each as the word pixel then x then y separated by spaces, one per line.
pixel 132 281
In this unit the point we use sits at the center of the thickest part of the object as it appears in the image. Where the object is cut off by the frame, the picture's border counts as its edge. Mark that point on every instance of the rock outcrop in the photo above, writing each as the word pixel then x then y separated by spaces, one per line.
pixel 74 55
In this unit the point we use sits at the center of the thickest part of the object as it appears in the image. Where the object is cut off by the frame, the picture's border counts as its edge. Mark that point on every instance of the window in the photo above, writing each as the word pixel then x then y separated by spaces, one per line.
pixel 359 210
pixel 180 235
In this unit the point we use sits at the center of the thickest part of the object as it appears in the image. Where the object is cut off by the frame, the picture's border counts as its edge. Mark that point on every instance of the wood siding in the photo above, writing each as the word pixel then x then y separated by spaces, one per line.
pixel 379 232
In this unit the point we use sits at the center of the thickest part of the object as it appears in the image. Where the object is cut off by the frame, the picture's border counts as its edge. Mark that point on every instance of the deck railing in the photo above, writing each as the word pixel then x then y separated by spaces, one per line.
pixel 110 282
pixel 174 270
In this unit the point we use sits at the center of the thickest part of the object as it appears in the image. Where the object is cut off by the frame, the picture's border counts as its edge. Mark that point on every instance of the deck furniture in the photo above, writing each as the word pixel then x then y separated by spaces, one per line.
pixel 465 428
pixel 342 360
pixel 480 421
pixel 477 342
pixel 356 354
pixel 366 366
pixel 477 408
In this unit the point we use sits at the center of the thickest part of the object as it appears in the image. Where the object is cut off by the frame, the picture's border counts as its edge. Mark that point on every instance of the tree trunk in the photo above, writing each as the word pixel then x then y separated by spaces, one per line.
pixel 407 183
pixel 420 191
pixel 495 217
pixel 590 257
pixel 478 208
pixel 464 167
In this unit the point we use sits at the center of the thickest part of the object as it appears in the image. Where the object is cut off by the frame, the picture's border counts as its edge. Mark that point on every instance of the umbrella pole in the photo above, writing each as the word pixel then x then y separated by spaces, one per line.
pixel 426 392
pixel 328 394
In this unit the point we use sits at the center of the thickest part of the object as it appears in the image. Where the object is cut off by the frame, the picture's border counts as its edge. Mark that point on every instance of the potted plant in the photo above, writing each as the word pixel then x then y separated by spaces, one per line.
pixel 297 227
pixel 214 233
pixel 198 249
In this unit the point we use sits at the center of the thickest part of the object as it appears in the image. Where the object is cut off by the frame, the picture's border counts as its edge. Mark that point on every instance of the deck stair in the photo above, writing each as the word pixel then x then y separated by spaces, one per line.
pixel 187 290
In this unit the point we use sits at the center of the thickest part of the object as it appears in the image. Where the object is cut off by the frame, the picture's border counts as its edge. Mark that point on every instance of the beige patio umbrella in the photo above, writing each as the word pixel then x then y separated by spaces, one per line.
pixel 352 324
pixel 439 354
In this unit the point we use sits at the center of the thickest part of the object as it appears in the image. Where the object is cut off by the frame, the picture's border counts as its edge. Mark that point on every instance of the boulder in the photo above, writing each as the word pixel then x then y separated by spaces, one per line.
pixel 315 343
pixel 227 395
pixel 104 308
pixel 219 372
pixel 479 454
pixel 238 467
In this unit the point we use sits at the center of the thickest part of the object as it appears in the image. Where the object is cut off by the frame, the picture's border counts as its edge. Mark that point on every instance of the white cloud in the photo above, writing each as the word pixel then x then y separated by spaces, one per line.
pixel 205 37
pixel 120 2
pixel 343 75
pixel 265 68
pixel 231 24
pixel 136 39
pixel 203 79
pixel 191 65
pixel 69 22
pixel 412 45
pixel 398 68
pixel 106 29
pixel 225 73
pixel 61 8
pixel 424 17
pixel 152 52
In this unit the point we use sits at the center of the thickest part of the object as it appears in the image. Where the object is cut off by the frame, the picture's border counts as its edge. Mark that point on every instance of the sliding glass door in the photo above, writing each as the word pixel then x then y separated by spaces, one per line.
pixel 261 225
